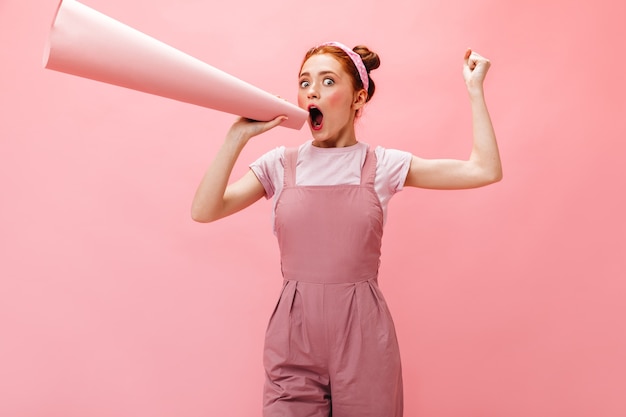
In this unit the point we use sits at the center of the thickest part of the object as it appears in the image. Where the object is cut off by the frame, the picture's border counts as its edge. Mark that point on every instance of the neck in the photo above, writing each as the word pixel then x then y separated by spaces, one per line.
pixel 330 143
pixel 345 137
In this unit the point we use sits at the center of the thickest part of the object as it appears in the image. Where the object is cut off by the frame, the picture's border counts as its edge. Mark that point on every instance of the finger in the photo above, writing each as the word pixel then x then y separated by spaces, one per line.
pixel 480 61
pixel 281 119
pixel 470 59
pixel 471 62
pixel 273 123
pixel 475 56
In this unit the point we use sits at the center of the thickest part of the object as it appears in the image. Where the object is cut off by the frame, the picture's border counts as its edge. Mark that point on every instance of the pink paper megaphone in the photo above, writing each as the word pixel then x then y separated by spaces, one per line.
pixel 89 44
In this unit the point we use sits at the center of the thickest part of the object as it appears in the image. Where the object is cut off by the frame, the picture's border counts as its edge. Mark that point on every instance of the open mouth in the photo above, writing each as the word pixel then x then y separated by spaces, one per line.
pixel 316 117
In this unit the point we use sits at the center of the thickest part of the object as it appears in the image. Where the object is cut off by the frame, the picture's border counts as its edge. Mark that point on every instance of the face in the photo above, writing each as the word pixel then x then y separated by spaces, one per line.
pixel 327 92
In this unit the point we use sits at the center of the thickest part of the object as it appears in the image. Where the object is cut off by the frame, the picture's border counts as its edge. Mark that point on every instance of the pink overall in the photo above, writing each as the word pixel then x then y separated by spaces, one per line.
pixel 331 347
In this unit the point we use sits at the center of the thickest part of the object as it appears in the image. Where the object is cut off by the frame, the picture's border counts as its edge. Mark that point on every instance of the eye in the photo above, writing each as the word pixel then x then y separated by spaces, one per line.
pixel 304 84
pixel 329 81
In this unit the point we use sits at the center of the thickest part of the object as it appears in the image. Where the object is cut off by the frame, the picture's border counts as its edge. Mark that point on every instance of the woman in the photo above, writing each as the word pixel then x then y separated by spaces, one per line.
pixel 330 345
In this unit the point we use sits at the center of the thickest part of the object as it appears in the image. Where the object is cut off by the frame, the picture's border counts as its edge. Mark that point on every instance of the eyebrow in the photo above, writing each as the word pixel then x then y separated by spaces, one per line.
pixel 321 73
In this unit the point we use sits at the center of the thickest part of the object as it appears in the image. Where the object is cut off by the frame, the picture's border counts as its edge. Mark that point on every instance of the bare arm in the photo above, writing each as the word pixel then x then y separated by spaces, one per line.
pixel 483 166
pixel 215 198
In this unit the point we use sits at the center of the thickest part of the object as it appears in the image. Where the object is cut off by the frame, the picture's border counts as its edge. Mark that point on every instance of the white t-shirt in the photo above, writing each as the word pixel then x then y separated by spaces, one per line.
pixel 334 166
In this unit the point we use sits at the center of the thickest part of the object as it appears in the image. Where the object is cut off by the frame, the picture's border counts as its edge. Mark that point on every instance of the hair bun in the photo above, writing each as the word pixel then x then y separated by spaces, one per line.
pixel 370 58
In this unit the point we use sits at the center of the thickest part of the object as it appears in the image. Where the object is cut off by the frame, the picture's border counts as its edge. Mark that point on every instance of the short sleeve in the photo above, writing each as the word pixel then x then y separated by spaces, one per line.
pixel 393 167
pixel 269 170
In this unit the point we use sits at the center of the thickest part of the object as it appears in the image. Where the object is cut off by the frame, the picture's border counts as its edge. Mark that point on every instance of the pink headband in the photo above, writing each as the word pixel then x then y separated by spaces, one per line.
pixel 356 58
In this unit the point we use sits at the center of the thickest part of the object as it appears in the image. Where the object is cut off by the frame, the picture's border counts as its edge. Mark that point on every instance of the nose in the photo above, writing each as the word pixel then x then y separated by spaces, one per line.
pixel 311 91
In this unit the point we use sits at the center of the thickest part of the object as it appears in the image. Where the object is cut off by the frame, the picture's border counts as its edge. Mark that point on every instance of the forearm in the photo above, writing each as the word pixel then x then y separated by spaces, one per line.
pixel 208 203
pixel 485 154
pixel 215 198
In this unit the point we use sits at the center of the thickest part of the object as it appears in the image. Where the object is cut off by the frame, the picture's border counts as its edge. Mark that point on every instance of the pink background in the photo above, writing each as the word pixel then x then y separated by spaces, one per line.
pixel 509 300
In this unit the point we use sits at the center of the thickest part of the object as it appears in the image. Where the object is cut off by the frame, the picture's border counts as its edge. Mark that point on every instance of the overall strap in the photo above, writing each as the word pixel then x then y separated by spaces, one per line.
pixel 368 172
pixel 291 158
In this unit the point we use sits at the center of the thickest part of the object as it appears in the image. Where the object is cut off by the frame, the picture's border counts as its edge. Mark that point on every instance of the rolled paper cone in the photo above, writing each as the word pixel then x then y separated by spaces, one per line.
pixel 89 44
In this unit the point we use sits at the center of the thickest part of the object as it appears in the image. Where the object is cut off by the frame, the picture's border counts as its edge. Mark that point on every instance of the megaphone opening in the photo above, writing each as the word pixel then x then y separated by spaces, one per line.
pixel 46 51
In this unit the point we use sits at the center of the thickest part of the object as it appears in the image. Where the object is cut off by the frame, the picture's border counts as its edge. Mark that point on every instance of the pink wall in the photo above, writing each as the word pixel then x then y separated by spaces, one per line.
pixel 508 300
